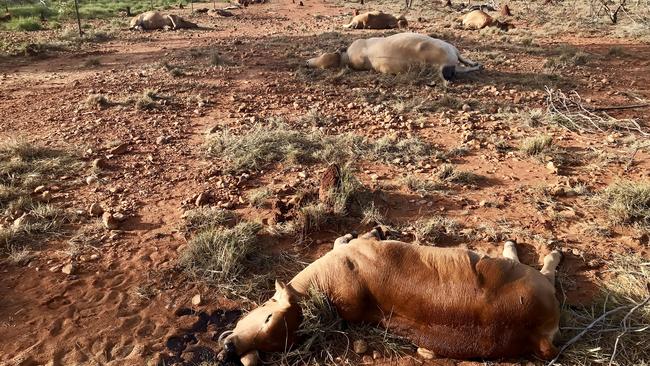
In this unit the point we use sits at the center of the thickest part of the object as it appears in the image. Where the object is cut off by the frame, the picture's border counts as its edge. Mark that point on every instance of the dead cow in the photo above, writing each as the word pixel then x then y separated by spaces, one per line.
pixel 478 19
pixel 454 302
pixel 155 20
pixel 398 53
pixel 377 20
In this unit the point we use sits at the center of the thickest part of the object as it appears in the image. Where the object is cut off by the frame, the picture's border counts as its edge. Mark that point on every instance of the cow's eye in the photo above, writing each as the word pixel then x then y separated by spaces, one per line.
pixel 268 318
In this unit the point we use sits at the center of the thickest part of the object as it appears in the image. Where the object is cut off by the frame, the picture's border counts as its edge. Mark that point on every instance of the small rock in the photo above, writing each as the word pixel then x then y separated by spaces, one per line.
pixel 94 257
pixel 68 269
pixel 96 209
pixel 119 149
pixel 426 354
pixel 109 221
pixel 55 268
pixel 46 196
pixel 163 140
pixel 39 189
pixel 91 179
pixel 302 174
pixel 119 216
pixel 360 346
pixel 202 199
pixel 551 167
pixel 466 108
pixel 98 164
pixel 196 300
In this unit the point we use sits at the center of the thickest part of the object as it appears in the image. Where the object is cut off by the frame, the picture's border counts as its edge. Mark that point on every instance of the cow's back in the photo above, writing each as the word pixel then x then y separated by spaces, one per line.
pixel 477 19
pixel 404 51
pixel 453 301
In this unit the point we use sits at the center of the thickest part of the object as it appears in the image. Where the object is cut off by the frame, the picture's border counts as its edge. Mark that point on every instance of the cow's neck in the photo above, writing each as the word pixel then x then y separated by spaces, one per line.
pixel 314 276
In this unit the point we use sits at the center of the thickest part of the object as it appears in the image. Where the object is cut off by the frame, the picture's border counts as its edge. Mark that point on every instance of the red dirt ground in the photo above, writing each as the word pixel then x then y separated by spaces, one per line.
pixel 92 316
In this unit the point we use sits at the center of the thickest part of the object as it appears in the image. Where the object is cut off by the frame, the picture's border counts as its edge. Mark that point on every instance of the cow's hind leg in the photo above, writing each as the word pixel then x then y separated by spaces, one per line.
pixel 466 61
pixel 510 251
pixel 551 261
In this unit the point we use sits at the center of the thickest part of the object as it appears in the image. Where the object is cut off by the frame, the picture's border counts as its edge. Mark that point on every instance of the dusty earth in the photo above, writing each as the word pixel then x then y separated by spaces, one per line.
pixel 97 315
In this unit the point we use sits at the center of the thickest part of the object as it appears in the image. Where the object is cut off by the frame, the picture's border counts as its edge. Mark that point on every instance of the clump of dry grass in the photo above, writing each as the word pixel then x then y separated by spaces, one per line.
pixel 627 202
pixel 447 172
pixel 567 56
pixel 534 146
pixel 266 144
pixel 422 185
pixel 372 215
pixel 614 329
pixel 258 197
pixel 147 100
pixel 325 339
pixel 23 167
pixel 314 215
pixel 98 101
pixel 206 217
pixel 431 230
pixel 220 254
pixel 315 118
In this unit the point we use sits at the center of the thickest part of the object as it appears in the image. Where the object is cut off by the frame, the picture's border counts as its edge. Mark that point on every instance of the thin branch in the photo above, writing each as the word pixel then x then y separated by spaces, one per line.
pixel 584 331
pixel 631 106
pixel 625 327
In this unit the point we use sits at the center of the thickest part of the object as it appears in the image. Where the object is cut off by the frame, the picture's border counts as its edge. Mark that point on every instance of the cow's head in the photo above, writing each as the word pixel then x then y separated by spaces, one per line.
pixel 271 327
pixel 329 60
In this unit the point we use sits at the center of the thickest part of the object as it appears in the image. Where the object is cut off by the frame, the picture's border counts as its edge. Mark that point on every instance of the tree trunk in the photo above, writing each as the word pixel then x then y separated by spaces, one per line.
pixel 76 10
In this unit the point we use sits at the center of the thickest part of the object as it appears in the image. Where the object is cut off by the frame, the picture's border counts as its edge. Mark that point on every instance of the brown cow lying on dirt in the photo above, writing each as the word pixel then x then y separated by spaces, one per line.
pixel 454 302
pixel 377 20
pixel 398 53
pixel 478 19
pixel 155 20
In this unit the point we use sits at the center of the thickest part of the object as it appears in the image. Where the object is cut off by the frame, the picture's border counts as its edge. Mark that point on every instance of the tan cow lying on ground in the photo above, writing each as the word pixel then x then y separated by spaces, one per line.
pixel 454 302
pixel 155 20
pixel 377 20
pixel 398 53
pixel 478 19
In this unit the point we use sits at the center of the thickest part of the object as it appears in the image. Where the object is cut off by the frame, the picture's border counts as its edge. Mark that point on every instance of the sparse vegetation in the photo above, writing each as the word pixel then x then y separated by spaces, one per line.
pixel 432 230
pixel 447 172
pixel 372 215
pixel 92 62
pixel 627 202
pixel 206 217
pixel 147 100
pixel 24 167
pixel 24 24
pixel 534 146
pixel 220 254
pixel 259 196
pixel 98 101
pixel 264 145
pixel 422 185
pixel 619 318
pixel 567 56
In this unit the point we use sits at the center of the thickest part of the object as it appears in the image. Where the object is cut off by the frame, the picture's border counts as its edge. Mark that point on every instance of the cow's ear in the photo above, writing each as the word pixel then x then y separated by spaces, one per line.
pixel 285 294
pixel 279 286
